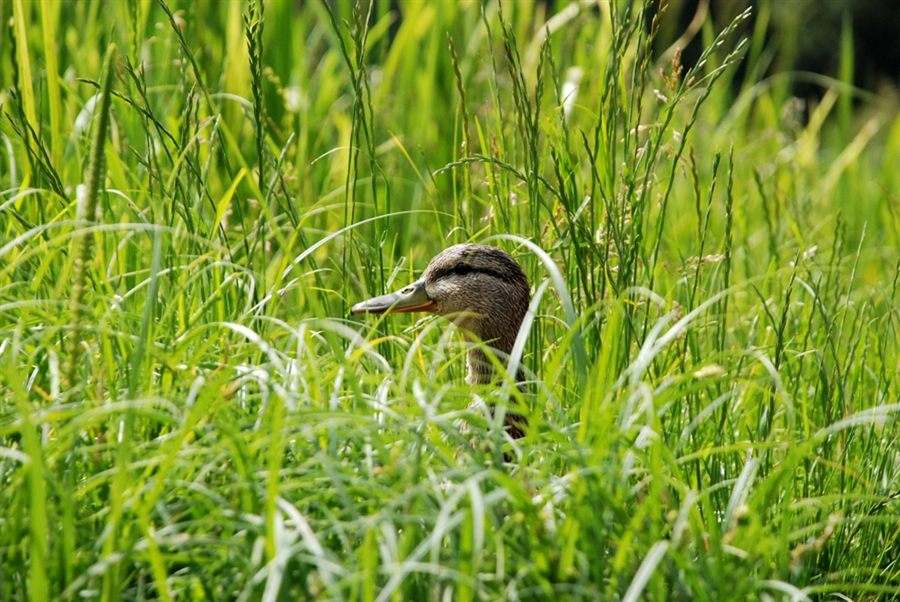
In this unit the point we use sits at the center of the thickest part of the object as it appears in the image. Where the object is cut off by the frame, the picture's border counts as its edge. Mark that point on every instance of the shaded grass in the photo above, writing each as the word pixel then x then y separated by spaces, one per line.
pixel 713 354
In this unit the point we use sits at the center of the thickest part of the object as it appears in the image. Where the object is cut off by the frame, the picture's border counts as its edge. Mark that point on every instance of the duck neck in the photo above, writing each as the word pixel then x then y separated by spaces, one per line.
pixel 480 368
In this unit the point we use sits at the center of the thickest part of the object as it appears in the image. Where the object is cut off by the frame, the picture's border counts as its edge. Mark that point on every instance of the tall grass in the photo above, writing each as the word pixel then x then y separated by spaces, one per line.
pixel 187 412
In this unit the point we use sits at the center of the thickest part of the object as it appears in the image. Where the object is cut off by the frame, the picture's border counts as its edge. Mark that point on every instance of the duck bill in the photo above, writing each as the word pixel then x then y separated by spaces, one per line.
pixel 411 298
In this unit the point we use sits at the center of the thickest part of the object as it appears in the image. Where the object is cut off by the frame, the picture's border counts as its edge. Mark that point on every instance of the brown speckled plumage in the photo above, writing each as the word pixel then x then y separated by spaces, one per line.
pixel 484 291
pixel 488 290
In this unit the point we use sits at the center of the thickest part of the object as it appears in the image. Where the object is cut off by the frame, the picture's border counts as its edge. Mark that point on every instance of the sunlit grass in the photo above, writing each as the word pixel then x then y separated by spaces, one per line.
pixel 188 412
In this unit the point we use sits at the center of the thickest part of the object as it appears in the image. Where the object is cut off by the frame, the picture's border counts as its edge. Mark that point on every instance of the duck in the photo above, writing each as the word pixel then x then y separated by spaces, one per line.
pixel 486 293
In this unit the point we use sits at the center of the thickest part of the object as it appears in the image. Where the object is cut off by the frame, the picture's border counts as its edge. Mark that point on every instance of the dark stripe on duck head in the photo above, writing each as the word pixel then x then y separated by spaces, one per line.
pixel 461 269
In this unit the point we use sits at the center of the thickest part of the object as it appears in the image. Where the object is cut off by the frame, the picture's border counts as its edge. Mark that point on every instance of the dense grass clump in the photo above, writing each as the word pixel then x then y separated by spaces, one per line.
pixel 186 412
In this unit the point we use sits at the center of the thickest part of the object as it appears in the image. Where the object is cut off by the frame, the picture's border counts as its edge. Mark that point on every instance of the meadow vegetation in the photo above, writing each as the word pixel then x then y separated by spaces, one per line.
pixel 193 194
